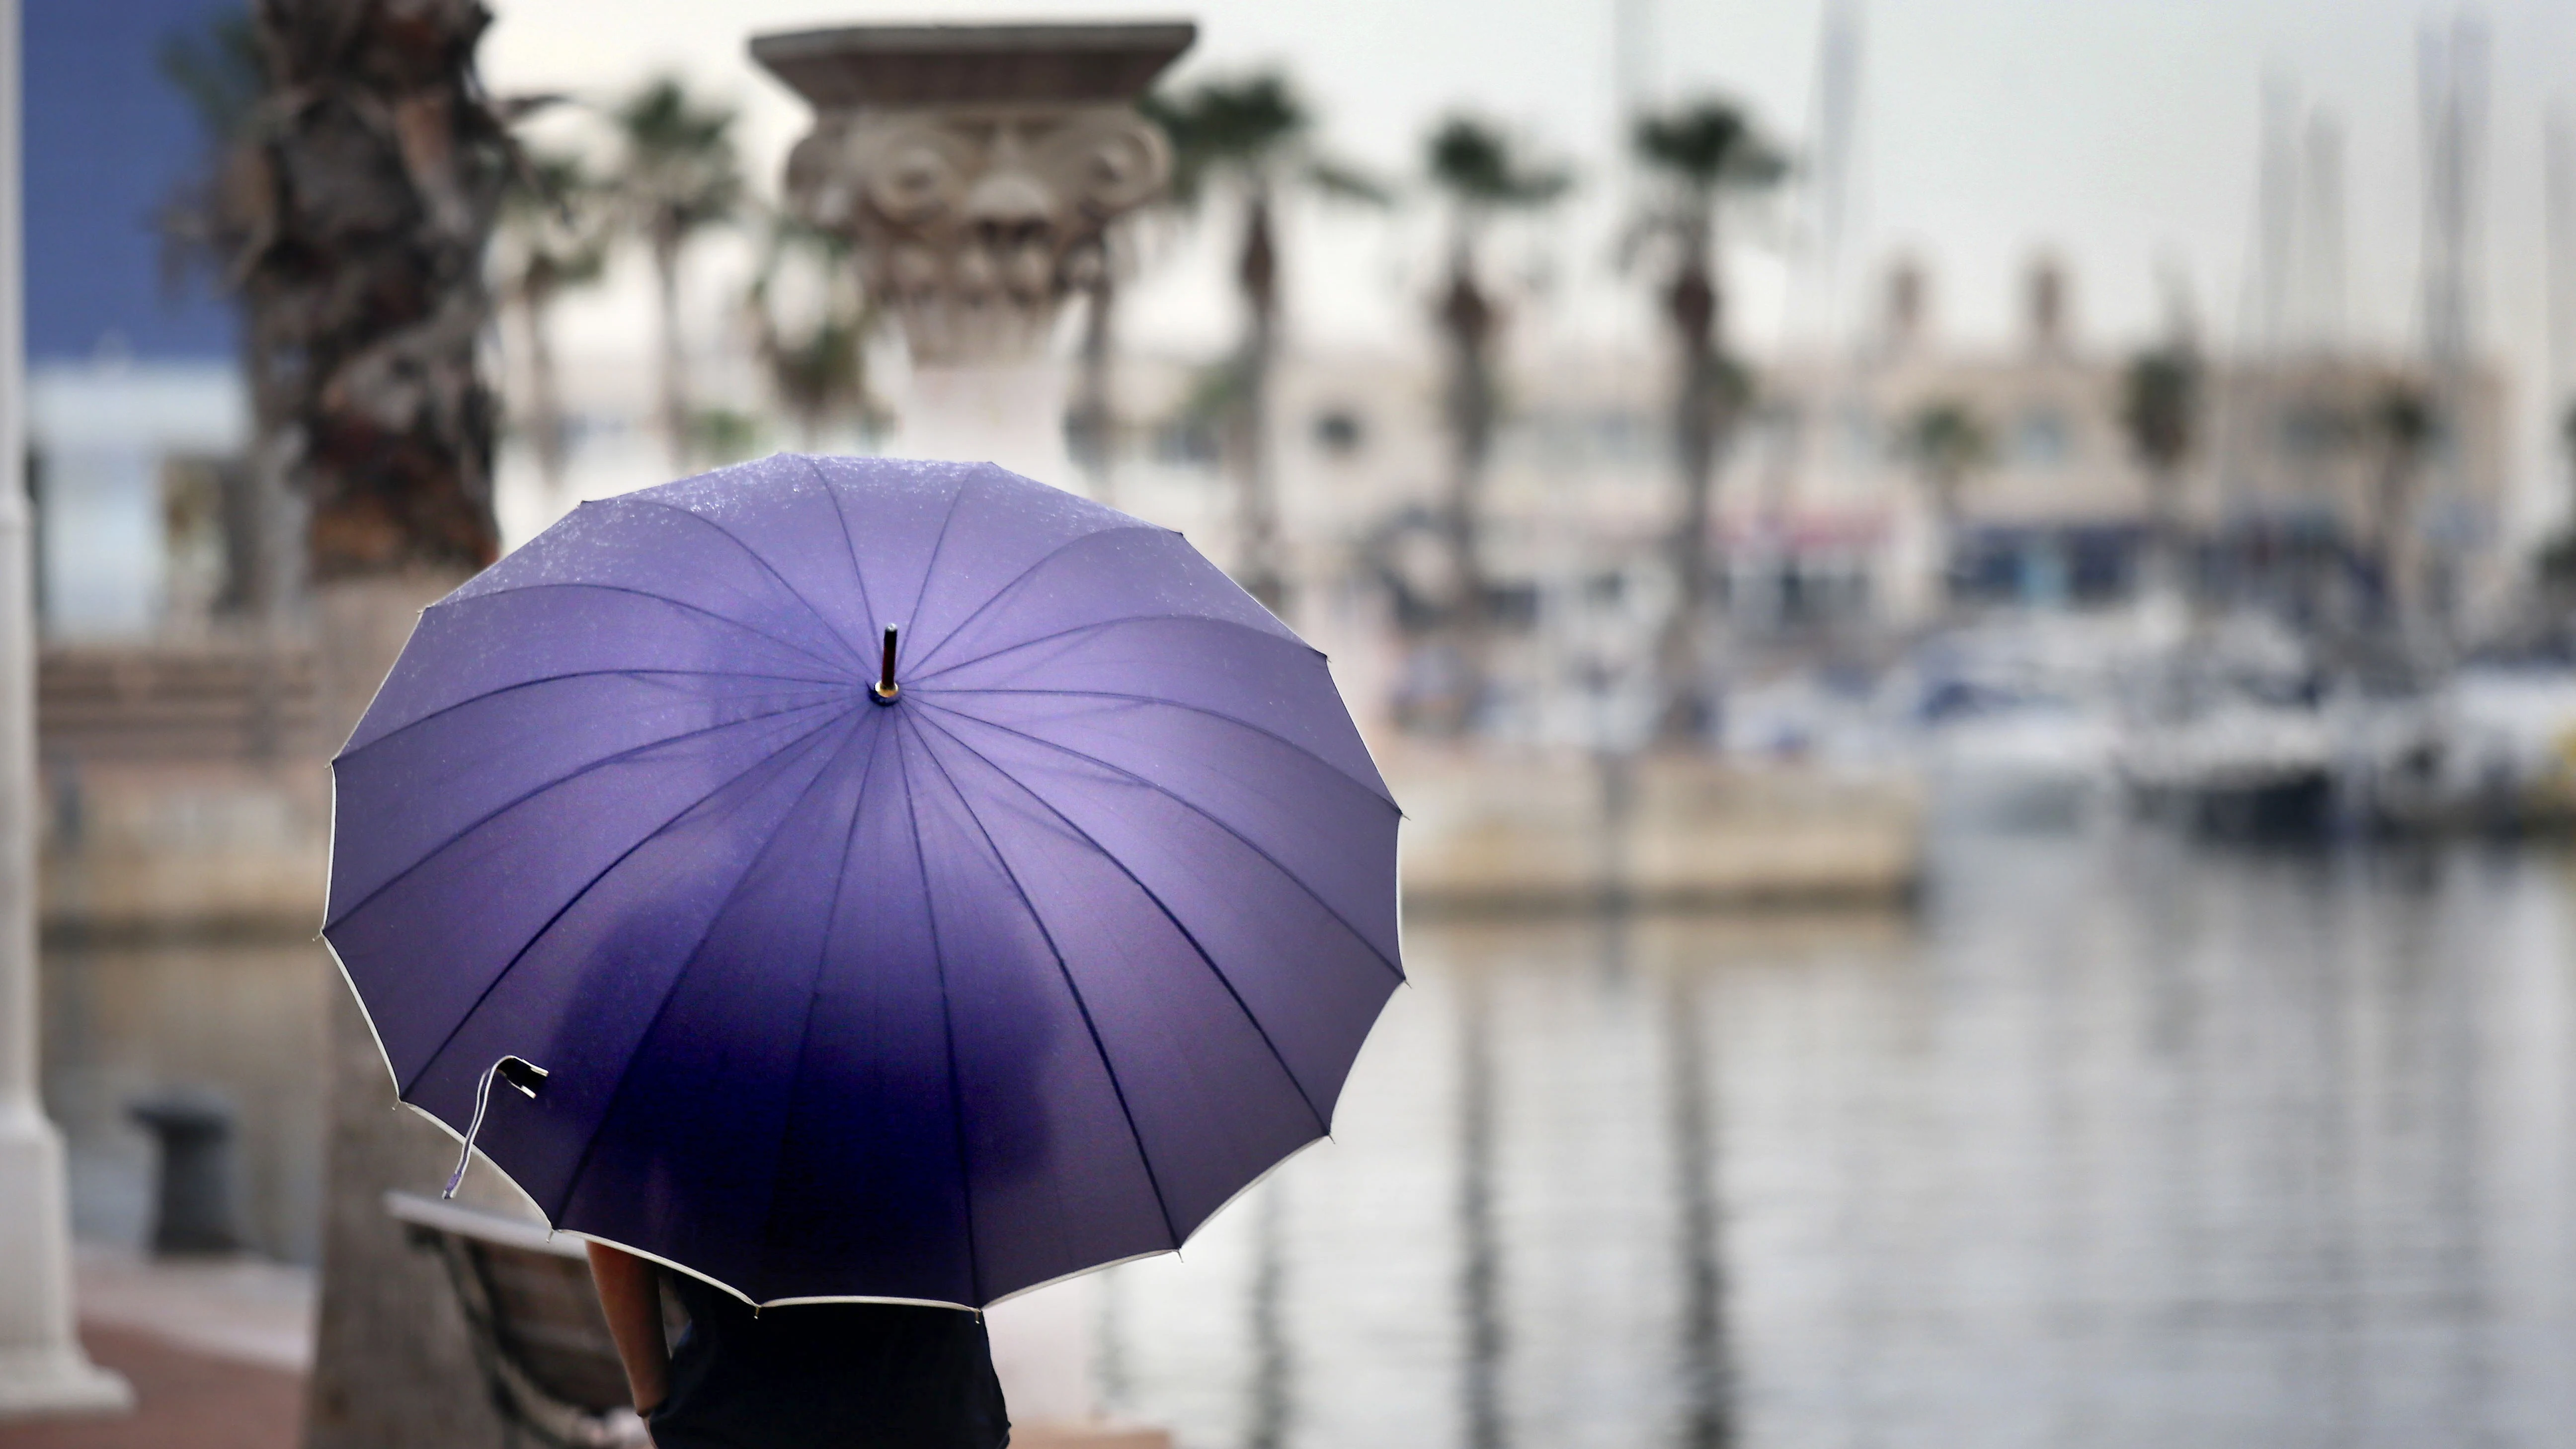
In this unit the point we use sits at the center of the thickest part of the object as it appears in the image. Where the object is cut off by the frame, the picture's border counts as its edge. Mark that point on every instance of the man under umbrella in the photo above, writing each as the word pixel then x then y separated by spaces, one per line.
pixel 874 889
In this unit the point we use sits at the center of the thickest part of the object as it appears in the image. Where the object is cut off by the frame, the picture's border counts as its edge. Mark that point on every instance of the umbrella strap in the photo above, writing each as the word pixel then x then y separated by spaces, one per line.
pixel 525 1075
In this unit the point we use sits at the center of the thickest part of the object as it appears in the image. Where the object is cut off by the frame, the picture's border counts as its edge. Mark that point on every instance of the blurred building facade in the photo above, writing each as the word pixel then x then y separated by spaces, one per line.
pixel 175 729
pixel 136 415
pixel 1828 534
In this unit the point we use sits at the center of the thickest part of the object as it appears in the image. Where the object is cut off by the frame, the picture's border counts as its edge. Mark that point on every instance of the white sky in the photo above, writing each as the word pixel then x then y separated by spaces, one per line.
pixel 2120 133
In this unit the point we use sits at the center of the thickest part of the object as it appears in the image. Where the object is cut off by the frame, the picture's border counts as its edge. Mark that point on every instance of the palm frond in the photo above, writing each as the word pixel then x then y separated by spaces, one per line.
pixel 680 171
pixel 1709 145
pixel 221 72
pixel 1236 126
pixel 1342 181
pixel 1478 164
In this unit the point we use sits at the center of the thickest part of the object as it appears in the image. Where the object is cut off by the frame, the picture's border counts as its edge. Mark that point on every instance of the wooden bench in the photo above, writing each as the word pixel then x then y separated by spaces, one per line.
pixel 534 1318
pixel 544 1345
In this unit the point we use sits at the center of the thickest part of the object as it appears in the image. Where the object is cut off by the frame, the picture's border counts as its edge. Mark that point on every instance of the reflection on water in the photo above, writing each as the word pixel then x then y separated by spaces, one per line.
pixel 2115 1145
pixel 1708 1386
pixel 243 1020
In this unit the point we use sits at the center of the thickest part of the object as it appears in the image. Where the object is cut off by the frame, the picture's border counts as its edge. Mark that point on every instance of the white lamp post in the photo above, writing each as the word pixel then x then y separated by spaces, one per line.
pixel 42 1368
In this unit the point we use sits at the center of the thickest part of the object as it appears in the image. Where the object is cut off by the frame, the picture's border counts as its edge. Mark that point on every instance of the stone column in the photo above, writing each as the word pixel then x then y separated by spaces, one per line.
pixel 977 168
pixel 42 1367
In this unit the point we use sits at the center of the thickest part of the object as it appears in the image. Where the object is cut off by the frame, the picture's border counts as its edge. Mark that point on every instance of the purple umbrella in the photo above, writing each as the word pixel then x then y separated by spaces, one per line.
pixel 880 879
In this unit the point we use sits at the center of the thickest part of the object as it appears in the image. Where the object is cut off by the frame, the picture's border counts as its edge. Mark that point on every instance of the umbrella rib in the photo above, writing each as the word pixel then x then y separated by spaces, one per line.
pixel 1170 703
pixel 1203 813
pixel 931 566
pixel 948 1031
pixel 670 992
pixel 814 993
pixel 524 797
pixel 659 599
pixel 772 569
pixel 575 899
pixel 849 545
pixel 1021 577
pixel 1321 1125
pixel 1099 1047
pixel 446 709
pixel 1112 624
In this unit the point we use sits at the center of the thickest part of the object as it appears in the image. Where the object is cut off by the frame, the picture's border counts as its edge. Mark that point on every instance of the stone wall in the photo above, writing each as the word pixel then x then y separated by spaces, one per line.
pixel 184 791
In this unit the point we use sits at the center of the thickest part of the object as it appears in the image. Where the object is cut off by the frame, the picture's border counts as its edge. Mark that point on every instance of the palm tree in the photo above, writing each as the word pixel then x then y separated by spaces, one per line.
pixel 2160 410
pixel 678 176
pixel 1945 442
pixel 1476 167
pixel 360 255
pixel 1251 138
pixel 553 238
pixel 1703 153
pixel 2402 419
pixel 359 197
pixel 1089 418
pixel 819 373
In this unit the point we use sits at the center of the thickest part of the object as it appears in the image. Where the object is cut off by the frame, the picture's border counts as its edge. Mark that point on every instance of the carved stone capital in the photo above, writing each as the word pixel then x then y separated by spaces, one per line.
pixel 976 167
pixel 973 226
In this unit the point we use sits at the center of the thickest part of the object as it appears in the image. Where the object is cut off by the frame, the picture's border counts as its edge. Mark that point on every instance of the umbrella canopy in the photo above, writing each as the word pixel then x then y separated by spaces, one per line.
pixel 1027 970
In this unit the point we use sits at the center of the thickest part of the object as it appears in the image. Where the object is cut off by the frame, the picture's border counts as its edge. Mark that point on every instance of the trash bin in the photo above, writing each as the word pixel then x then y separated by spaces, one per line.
pixel 194 1207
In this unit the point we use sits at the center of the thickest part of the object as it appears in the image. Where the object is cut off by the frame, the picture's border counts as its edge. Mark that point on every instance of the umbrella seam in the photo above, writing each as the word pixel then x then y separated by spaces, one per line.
pixel 1089 1025
pixel 814 994
pixel 514 803
pixel 1203 813
pixel 521 954
pixel 1022 576
pixel 849 545
pixel 1112 624
pixel 948 1031
pixel 671 992
pixel 789 644
pixel 756 557
pixel 930 566
pixel 1180 704
pixel 1187 934
pixel 398 731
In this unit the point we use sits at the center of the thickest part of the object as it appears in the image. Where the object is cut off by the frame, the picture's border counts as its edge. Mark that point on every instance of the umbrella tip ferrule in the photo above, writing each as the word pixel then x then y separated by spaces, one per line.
pixel 885 690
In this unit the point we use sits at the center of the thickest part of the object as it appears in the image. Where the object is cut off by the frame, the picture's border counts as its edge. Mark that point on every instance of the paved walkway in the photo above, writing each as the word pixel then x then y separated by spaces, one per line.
pixel 216 1351
pixel 185 1399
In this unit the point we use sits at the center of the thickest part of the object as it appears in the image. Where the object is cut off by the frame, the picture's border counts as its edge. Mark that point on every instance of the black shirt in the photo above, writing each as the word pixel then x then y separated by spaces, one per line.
pixel 842 1375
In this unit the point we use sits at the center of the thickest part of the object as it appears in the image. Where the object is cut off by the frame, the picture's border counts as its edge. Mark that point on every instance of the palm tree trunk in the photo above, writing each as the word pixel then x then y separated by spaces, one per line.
pixel 1467 318
pixel 2392 548
pixel 1695 307
pixel 545 398
pixel 1090 418
pixel 674 370
pixel 393 1367
pixel 2164 562
pixel 1948 551
pixel 1257 567
pixel 368 332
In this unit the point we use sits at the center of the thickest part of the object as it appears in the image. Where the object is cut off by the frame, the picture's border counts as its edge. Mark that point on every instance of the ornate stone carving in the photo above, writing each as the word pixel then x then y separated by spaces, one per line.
pixel 978 197
pixel 973 227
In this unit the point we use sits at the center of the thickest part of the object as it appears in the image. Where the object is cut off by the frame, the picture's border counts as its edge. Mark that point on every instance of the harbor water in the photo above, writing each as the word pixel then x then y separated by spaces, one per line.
pixel 2114 1140
pixel 2116 1143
